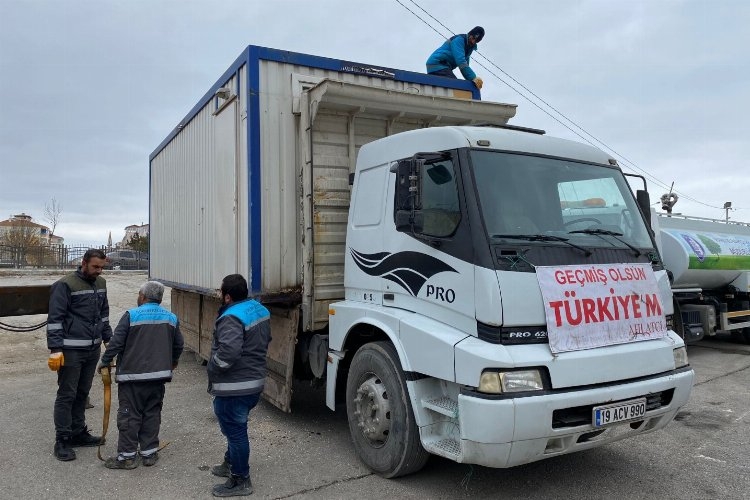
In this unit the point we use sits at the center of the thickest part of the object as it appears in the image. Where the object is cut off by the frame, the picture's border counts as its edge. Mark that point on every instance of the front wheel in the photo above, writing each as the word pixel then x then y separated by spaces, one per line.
pixel 381 421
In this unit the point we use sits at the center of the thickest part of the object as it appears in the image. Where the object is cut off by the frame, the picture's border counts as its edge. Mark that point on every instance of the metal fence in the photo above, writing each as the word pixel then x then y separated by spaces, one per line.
pixel 40 256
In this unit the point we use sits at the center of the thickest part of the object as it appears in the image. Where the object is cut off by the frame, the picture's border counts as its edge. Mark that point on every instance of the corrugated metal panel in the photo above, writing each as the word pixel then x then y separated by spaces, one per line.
pixel 193 240
pixel 335 136
pixel 282 266
pixel 280 204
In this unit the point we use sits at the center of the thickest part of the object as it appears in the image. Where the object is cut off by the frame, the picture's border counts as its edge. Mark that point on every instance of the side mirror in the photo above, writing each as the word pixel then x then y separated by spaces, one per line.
pixel 644 203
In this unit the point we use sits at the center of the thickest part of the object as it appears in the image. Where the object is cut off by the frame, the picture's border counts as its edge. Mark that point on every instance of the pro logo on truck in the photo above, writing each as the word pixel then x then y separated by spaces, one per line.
pixel 409 270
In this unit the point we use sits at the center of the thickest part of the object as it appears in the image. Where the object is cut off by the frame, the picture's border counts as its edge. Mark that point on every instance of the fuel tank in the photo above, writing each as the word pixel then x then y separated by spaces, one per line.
pixel 703 253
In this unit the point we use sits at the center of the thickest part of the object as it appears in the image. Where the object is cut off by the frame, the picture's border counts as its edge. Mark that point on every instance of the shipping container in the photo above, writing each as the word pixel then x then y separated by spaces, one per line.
pixel 255 180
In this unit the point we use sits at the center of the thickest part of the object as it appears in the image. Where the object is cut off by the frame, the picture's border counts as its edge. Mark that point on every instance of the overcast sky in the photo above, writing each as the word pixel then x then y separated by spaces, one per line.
pixel 89 88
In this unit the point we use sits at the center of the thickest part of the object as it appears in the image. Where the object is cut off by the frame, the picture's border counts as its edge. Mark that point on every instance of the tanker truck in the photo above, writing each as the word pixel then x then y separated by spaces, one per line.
pixel 709 265
pixel 461 286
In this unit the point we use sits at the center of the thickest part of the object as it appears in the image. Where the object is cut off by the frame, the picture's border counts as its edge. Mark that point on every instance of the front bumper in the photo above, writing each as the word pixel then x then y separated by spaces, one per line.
pixel 510 432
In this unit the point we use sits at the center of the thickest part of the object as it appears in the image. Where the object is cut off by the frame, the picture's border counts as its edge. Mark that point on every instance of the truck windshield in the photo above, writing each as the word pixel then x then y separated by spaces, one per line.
pixel 588 205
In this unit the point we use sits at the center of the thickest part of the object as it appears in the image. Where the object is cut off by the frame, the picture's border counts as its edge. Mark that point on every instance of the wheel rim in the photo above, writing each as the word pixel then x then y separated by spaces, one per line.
pixel 372 411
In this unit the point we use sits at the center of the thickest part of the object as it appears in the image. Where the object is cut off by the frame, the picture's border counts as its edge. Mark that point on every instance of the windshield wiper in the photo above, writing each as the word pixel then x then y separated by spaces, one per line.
pixel 542 237
pixel 606 232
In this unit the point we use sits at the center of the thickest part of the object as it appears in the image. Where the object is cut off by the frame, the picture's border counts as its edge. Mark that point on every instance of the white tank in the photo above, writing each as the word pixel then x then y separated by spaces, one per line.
pixel 702 253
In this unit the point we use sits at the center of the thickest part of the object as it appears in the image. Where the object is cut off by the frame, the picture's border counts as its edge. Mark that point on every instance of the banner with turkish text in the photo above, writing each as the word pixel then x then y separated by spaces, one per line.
pixel 601 304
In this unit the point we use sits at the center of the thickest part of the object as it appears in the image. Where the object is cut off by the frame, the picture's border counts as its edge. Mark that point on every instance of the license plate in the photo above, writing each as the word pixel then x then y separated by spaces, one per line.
pixel 619 412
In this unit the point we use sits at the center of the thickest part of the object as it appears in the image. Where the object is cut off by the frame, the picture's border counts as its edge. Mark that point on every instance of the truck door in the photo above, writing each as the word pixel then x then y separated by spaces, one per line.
pixel 428 267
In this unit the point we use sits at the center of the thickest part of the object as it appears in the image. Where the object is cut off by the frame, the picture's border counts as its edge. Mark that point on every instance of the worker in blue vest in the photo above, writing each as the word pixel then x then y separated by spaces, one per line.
pixel 236 376
pixel 147 344
pixel 455 53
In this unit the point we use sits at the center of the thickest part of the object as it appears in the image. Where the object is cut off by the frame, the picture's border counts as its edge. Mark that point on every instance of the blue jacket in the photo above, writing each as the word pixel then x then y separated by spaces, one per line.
pixel 237 366
pixel 454 53
pixel 147 343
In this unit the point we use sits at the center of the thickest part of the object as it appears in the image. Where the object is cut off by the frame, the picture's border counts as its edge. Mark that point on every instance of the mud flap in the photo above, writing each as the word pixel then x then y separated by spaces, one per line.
pixel 280 357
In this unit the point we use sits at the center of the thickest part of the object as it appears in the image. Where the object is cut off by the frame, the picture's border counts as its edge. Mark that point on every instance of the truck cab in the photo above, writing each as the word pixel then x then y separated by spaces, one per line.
pixel 446 342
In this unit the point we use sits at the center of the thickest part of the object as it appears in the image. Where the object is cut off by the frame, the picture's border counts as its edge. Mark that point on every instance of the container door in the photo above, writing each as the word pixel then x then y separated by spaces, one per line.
pixel 332 129
pixel 224 254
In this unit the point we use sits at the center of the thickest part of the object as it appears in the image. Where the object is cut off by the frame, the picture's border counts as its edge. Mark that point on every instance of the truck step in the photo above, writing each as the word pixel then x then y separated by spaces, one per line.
pixel 443 405
pixel 445 447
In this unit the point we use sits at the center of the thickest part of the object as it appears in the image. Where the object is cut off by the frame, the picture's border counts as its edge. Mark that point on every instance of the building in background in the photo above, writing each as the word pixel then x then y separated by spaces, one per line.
pixel 24 242
pixel 133 230
pixel 20 229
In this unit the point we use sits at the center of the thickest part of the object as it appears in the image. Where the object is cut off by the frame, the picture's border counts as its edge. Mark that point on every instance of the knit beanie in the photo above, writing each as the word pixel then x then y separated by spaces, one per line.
pixel 477 32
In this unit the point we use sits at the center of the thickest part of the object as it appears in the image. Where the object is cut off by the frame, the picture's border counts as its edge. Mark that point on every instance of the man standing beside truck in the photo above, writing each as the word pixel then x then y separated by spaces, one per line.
pixel 148 344
pixel 236 376
pixel 77 323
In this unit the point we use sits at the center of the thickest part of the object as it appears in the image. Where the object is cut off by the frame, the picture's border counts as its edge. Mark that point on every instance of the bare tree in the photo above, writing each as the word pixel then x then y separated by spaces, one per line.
pixel 21 234
pixel 22 238
pixel 52 211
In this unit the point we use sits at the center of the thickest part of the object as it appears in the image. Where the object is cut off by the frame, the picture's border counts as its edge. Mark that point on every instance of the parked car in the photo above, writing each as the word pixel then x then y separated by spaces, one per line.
pixel 126 259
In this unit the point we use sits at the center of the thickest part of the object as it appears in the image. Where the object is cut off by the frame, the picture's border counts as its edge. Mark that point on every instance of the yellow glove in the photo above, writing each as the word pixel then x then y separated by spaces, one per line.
pixel 55 361
pixel 478 82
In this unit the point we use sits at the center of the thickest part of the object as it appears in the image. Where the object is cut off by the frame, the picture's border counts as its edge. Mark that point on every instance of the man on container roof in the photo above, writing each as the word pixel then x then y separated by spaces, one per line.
pixel 455 53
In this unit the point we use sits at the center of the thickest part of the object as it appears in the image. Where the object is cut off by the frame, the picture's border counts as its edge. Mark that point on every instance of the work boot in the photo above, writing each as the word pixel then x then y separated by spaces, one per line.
pixel 149 460
pixel 236 486
pixel 221 470
pixel 121 462
pixel 84 438
pixel 63 451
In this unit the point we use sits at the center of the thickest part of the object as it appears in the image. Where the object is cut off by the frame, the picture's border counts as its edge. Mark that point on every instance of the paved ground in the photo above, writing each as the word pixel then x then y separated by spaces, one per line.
pixel 704 454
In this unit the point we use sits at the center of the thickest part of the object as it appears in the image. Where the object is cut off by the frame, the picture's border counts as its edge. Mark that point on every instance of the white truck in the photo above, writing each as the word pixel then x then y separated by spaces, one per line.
pixel 461 286
pixel 709 265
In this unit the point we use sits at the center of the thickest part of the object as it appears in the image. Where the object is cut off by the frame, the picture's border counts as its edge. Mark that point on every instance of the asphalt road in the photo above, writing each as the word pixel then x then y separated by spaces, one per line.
pixel 307 454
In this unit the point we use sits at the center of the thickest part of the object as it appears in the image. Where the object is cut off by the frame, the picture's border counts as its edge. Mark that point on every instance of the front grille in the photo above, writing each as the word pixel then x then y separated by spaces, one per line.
pixel 582 415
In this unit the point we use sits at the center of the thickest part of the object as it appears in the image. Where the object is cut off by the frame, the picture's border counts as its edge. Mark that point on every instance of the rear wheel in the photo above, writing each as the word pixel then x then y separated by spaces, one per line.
pixel 381 420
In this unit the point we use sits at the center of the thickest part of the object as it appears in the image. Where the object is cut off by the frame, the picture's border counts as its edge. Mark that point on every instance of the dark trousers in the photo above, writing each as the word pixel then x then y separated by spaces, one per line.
pixel 232 413
pixel 444 72
pixel 139 417
pixel 73 385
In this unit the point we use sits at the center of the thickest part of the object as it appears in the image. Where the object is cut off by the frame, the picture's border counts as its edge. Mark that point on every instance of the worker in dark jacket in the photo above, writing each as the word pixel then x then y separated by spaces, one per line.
pixel 77 323
pixel 236 375
pixel 147 343
pixel 455 53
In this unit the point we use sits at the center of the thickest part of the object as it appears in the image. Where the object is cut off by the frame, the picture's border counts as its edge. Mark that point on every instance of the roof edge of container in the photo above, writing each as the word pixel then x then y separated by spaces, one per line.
pixel 256 53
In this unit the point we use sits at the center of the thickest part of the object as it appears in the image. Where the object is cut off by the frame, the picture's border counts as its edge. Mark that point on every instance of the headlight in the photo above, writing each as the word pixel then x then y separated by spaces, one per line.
pixel 680 357
pixel 494 382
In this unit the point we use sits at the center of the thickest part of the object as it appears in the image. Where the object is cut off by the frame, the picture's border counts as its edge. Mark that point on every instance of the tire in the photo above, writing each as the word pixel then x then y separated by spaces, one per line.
pixel 746 335
pixel 386 436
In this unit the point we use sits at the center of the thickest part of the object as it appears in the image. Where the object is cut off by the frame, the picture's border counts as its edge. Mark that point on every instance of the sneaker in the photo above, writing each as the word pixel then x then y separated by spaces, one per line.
pixel 63 451
pixel 235 486
pixel 221 470
pixel 84 438
pixel 117 463
pixel 149 460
